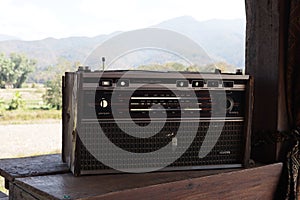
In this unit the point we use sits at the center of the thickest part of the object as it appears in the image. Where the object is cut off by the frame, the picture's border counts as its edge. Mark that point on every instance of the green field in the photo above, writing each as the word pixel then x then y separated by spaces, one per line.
pixel 31 96
pixel 34 110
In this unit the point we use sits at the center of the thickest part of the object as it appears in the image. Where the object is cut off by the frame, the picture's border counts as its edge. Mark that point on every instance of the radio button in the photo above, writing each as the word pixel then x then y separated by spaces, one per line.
pixel 197 83
pixel 212 83
pixel 228 83
pixel 105 83
pixel 182 83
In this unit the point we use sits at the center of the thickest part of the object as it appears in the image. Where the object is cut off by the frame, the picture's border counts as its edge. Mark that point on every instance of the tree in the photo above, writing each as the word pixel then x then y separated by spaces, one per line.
pixel 172 66
pixel 53 95
pixel 22 67
pixel 223 66
pixel 6 71
pixel 15 69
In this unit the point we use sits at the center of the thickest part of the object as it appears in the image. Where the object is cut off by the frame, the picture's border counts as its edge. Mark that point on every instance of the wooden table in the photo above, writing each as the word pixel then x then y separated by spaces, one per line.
pixel 46 177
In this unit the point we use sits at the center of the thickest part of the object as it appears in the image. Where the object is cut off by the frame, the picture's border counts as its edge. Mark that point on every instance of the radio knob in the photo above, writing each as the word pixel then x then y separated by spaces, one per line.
pixel 122 83
pixel 103 103
pixel 229 104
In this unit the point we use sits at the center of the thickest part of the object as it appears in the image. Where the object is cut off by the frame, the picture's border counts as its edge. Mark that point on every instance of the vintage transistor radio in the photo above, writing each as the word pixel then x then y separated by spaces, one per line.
pixel 138 121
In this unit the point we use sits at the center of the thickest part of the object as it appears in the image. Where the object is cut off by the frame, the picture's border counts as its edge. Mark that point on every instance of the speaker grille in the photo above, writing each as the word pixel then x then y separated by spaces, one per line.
pixel 228 150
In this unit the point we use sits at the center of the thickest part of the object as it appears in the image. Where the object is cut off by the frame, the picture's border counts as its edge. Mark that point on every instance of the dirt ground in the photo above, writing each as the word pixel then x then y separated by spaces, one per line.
pixel 30 139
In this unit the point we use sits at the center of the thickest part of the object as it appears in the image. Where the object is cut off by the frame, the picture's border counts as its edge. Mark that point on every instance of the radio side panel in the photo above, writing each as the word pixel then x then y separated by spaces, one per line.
pixel 69 117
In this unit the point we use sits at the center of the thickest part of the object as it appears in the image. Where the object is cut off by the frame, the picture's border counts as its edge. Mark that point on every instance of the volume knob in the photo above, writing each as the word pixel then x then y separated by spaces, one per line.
pixel 229 104
pixel 103 103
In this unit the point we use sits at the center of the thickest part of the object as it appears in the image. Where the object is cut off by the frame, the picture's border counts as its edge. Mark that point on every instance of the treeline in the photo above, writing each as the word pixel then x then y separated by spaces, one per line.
pixel 173 66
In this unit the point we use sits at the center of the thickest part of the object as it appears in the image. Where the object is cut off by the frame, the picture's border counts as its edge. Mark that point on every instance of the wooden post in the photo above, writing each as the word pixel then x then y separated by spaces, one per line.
pixel 262 62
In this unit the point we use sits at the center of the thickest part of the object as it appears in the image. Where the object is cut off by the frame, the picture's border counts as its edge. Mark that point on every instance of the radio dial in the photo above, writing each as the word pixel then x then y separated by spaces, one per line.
pixel 123 83
pixel 229 104
pixel 103 103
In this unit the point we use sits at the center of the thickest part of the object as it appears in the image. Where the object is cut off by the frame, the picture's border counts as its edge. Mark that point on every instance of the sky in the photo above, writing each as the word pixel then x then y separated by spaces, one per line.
pixel 39 19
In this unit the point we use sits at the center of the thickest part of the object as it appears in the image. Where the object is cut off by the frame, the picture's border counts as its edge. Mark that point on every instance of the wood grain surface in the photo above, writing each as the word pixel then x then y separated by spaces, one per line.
pixel 32 166
pixel 254 183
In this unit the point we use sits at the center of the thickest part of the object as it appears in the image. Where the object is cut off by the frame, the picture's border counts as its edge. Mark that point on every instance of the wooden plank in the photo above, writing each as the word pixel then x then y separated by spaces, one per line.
pixel 259 181
pixel 62 185
pixel 17 193
pixel 32 166
pixel 256 183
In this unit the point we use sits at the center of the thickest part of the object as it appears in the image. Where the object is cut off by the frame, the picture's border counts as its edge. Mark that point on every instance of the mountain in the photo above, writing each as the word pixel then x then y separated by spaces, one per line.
pixel 48 51
pixel 223 40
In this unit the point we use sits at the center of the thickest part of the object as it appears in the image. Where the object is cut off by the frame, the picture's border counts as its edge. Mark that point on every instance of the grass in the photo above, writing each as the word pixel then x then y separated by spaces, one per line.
pixel 29 116
pixel 27 93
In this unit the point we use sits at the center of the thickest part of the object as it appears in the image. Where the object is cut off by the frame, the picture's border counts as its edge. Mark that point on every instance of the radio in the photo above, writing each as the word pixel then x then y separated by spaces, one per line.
pixel 140 121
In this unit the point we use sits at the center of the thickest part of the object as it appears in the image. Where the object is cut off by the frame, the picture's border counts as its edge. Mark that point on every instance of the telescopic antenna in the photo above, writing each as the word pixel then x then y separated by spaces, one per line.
pixel 103 63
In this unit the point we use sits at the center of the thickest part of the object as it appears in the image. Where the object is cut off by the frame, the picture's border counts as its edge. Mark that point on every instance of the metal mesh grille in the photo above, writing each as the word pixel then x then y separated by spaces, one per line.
pixel 228 150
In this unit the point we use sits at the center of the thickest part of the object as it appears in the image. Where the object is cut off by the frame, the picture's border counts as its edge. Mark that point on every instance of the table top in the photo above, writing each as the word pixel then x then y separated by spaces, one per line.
pixel 32 166
pixel 257 183
pixel 48 177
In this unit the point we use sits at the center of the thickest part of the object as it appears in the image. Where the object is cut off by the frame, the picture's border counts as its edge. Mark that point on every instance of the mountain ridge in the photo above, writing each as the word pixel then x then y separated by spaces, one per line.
pixel 223 40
